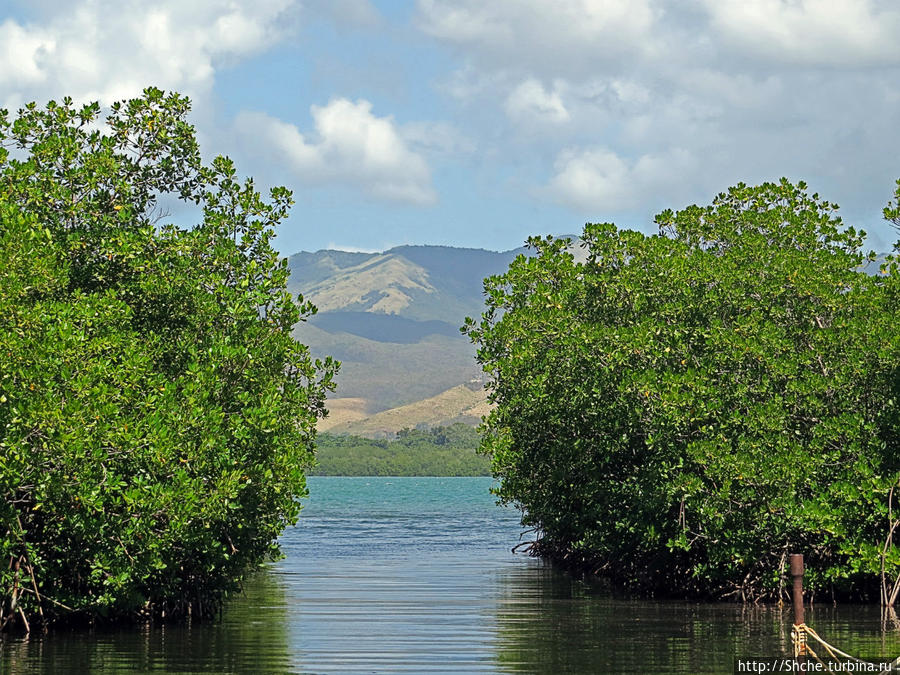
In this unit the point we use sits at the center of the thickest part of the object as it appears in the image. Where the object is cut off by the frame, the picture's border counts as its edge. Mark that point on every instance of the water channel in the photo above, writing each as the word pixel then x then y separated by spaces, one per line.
pixel 385 575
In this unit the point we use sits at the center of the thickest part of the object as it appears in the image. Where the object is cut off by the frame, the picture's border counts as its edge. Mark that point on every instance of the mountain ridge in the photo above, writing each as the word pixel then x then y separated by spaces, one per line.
pixel 417 282
pixel 392 318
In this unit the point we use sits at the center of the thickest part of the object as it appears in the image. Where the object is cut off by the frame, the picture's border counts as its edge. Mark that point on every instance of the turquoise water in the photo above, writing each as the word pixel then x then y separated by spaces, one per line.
pixel 415 575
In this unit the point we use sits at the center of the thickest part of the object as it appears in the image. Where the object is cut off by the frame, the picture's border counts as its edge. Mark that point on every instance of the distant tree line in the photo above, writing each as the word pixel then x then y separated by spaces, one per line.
pixel 681 411
pixel 438 451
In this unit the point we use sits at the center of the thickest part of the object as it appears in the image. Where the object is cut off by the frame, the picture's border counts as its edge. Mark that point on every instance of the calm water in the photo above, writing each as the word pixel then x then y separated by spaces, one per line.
pixel 416 575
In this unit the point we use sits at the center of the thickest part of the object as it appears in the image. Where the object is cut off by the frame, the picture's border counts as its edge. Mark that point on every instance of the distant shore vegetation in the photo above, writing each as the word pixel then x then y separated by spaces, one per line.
pixel 438 451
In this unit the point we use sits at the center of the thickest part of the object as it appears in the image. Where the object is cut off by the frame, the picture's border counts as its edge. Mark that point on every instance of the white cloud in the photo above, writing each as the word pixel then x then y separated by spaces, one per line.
pixel 598 180
pixel 613 104
pixel 465 22
pixel 111 49
pixel 664 102
pixel 333 246
pixel 21 53
pixel 355 13
pixel 592 179
pixel 575 38
pixel 531 101
pixel 843 33
pixel 350 146
pixel 630 92
pixel 564 36
pixel 437 138
pixel 469 83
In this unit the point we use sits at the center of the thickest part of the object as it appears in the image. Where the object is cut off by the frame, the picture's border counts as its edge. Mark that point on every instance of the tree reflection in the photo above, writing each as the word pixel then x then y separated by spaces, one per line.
pixel 552 622
pixel 250 636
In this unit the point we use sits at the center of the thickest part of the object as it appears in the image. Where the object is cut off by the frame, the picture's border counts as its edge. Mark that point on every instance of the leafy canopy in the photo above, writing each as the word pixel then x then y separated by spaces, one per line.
pixel 156 416
pixel 681 411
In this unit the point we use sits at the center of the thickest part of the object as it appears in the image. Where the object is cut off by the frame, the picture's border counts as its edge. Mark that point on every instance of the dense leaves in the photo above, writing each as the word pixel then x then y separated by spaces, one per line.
pixel 156 416
pixel 438 451
pixel 681 411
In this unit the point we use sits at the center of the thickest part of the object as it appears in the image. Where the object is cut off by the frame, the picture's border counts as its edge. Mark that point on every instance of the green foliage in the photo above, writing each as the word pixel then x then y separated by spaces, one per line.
pixel 683 410
pixel 439 451
pixel 156 416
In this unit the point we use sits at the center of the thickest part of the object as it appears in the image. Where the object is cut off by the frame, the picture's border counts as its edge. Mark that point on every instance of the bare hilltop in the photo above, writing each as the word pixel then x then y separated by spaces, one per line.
pixel 393 319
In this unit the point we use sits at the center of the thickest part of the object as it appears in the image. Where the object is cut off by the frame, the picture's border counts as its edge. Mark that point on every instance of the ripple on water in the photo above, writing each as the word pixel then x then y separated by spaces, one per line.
pixel 416 575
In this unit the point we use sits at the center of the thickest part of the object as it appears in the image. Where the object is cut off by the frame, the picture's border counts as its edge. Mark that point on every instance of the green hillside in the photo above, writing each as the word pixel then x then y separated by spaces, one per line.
pixel 390 374
pixel 393 320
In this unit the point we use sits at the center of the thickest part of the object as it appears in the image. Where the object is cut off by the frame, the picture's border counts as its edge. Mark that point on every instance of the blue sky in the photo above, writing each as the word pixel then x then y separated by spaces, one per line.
pixel 476 123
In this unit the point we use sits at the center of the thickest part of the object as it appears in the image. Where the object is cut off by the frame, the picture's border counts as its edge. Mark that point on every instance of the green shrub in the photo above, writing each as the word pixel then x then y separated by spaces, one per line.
pixel 156 417
pixel 681 411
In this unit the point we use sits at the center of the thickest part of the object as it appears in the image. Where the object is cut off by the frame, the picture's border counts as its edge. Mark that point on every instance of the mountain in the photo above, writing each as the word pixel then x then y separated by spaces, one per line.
pixel 462 403
pixel 421 283
pixel 393 319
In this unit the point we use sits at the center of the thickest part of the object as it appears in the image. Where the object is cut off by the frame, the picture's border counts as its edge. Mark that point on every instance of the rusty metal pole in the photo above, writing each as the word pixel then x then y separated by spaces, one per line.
pixel 797 575
pixel 797 570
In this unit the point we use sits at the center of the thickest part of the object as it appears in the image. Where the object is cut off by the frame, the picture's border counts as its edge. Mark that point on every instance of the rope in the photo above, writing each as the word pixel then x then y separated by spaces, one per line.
pixel 799 635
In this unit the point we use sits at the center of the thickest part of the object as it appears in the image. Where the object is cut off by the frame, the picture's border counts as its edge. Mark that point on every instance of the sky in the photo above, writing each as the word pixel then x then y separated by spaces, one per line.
pixel 475 123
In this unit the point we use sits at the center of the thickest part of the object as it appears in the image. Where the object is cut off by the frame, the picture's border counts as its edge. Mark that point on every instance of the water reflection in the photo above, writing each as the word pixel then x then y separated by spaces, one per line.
pixel 415 575
pixel 250 637
pixel 398 575
pixel 861 630
pixel 551 622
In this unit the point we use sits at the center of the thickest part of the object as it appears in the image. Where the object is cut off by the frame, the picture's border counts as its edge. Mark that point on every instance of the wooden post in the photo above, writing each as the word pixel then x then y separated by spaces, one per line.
pixel 799 615
pixel 797 575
